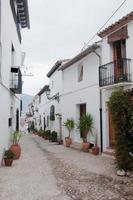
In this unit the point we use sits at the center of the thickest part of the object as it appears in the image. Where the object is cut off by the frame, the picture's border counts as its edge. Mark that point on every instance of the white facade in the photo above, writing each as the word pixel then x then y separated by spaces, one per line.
pixel 107 57
pixel 86 92
pixel 79 85
pixel 10 56
pixel 56 87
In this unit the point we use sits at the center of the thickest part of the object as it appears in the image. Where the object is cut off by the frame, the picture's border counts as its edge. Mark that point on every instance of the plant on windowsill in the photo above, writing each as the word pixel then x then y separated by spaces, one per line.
pixel 15 147
pixel 85 124
pixel 8 158
pixel 69 124
pixel 95 149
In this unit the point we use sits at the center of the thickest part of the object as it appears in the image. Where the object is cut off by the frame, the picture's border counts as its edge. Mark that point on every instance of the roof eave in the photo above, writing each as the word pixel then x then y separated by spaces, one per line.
pixel 80 56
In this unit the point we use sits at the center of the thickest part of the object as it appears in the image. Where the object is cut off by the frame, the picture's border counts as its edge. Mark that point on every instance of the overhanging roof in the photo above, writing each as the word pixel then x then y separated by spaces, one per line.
pixel 23 13
pixel 45 88
pixel 56 66
pixel 80 56
pixel 117 25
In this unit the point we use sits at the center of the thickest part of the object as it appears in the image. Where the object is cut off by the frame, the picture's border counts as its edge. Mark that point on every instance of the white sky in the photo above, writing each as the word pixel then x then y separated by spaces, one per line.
pixel 59 29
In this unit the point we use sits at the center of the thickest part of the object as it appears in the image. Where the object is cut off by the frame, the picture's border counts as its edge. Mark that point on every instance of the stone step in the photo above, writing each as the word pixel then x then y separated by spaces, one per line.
pixel 76 146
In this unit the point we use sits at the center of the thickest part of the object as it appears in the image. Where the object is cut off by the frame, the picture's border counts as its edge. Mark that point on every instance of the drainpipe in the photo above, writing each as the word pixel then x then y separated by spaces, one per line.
pixel 100 109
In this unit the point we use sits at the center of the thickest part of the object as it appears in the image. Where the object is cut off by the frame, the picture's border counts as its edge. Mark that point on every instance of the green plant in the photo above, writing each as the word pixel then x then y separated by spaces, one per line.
pixel 121 107
pixel 48 134
pixel 31 126
pixel 9 154
pixel 40 132
pixel 54 136
pixel 69 124
pixel 85 124
pixel 15 137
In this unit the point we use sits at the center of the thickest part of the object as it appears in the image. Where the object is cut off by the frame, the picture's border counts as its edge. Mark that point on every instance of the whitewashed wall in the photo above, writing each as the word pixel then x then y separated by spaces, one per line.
pixel 8 99
pixel 86 91
pixel 107 56
pixel 55 83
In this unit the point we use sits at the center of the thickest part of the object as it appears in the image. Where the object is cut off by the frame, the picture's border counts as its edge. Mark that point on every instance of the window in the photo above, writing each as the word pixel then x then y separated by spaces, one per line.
pixel 52 84
pixel 80 73
pixel 52 113
pixel 39 99
pixel 12 56
pixel 47 121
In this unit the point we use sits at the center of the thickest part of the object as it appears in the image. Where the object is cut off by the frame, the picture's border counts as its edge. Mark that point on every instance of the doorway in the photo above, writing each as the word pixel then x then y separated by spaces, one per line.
pixel 44 123
pixel 82 112
pixel 17 119
pixel 119 53
pixel 111 131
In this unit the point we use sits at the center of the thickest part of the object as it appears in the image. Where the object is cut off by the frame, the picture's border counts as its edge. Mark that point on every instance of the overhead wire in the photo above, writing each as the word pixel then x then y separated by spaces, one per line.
pixel 86 44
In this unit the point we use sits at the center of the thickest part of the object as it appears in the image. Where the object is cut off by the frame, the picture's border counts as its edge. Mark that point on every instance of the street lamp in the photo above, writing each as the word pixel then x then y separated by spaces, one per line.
pixel 54 97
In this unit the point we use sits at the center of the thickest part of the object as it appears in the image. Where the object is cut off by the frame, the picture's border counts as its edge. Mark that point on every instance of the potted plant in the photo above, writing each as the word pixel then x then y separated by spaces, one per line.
pixel 54 136
pixel 8 158
pixel 85 124
pixel 69 124
pixel 95 149
pixel 15 147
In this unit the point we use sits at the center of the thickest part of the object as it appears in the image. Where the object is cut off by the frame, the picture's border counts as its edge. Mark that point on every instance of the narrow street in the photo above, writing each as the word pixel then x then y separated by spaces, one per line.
pixel 47 171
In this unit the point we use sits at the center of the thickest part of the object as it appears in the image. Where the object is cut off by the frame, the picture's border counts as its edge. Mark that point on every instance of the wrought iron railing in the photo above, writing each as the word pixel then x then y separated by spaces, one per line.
pixel 16 80
pixel 115 72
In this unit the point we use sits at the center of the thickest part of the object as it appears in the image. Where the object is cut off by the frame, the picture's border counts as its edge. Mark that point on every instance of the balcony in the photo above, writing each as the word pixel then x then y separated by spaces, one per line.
pixel 16 80
pixel 115 72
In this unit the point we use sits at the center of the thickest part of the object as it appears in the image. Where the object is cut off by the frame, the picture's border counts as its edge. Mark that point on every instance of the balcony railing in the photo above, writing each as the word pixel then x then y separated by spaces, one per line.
pixel 16 80
pixel 115 72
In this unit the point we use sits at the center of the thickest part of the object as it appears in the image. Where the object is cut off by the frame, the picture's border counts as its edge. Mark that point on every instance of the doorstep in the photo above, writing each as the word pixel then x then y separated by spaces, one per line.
pixel 109 152
pixel 76 146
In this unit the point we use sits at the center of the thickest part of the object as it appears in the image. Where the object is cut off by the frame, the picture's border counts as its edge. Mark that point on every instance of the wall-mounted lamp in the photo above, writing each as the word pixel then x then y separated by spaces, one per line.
pixel 54 97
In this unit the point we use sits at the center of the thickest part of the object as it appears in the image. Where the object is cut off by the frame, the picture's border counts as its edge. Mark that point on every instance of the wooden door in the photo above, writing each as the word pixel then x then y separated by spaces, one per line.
pixel 119 52
pixel 44 124
pixel 111 131
pixel 82 112
pixel 17 120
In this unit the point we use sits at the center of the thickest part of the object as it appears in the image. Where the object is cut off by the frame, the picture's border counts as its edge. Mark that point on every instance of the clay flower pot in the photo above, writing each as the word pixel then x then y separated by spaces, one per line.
pixel 85 146
pixel 95 151
pixel 68 141
pixel 16 149
pixel 8 162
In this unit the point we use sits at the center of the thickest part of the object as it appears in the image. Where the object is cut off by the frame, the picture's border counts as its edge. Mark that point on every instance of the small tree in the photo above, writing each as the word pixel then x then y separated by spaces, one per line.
pixel 69 124
pixel 121 108
pixel 85 124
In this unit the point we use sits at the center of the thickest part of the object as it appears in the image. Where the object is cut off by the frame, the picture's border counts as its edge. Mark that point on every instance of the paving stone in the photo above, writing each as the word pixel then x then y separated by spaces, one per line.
pixel 47 171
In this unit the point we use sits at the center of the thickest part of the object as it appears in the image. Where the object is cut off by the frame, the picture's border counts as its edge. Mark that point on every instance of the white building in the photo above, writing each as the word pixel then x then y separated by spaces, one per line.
pixel 116 68
pixel 50 109
pixel 13 17
pixel 80 93
pixel 85 83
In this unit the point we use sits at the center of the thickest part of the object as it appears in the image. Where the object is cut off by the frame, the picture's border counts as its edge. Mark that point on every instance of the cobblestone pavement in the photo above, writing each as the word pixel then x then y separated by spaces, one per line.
pixel 30 177
pixel 74 172
pixel 47 171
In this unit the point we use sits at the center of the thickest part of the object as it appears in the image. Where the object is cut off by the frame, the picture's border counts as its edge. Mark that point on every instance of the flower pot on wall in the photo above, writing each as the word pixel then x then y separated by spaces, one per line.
pixel 95 151
pixel 16 149
pixel 85 146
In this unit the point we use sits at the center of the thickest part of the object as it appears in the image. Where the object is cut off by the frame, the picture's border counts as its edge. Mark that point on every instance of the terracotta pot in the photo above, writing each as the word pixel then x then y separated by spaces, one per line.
pixel 95 151
pixel 85 146
pixel 8 162
pixel 68 142
pixel 16 149
pixel 60 142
